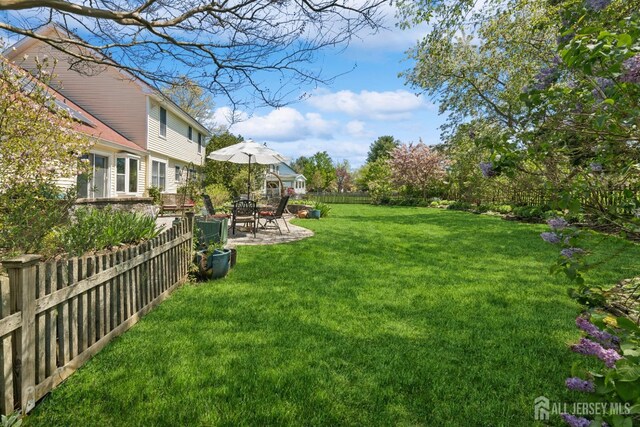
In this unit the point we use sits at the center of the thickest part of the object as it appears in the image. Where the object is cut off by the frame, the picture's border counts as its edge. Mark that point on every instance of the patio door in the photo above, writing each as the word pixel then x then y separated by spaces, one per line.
pixel 95 185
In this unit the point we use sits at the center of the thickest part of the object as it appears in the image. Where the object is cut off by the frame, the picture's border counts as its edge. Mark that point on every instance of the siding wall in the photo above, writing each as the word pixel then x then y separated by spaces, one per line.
pixel 176 144
pixel 175 149
pixel 108 95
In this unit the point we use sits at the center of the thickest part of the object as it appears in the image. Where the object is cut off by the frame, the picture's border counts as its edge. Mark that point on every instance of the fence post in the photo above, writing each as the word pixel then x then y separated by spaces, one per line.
pixel 22 283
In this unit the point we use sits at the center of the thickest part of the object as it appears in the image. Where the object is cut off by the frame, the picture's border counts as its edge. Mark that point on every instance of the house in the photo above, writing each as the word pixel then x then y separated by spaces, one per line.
pixel 281 177
pixel 167 142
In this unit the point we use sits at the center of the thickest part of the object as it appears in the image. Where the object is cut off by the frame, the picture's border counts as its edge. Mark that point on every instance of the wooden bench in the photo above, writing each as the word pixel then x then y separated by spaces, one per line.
pixel 173 203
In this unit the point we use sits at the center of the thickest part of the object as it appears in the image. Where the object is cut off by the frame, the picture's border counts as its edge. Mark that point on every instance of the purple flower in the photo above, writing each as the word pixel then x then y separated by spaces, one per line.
pixel 571 252
pixel 557 223
pixel 602 86
pixel 578 384
pixel 590 348
pixel 487 169
pixel 550 237
pixel 545 77
pixel 597 5
pixel 604 338
pixel 631 70
pixel 596 167
pixel 574 421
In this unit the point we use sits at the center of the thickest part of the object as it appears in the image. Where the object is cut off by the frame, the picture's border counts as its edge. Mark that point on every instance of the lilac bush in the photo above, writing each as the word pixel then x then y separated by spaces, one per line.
pixel 597 5
pixel 574 421
pixel 604 338
pixel 551 237
pixel 487 169
pixel 571 252
pixel 631 69
pixel 578 384
pixel 590 348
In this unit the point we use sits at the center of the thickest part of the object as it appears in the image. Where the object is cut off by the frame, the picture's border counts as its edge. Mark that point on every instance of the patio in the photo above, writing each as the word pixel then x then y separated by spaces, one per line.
pixel 270 236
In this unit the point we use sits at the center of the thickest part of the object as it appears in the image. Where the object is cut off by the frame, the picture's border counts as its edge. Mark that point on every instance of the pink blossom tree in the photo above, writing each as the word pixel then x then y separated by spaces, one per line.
pixel 417 167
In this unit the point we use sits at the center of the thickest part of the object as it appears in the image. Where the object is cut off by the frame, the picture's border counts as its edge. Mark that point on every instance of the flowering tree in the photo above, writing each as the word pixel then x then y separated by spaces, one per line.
pixel 38 146
pixel 344 180
pixel 417 167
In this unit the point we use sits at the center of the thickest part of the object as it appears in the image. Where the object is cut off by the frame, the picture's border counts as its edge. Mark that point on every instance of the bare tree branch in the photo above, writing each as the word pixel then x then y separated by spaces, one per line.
pixel 237 49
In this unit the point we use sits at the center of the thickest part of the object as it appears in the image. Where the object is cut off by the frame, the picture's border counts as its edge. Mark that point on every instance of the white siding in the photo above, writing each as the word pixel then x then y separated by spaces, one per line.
pixel 176 144
pixel 108 95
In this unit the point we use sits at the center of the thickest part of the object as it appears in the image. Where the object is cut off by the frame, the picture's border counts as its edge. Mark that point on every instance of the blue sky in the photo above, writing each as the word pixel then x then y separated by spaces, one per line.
pixel 345 117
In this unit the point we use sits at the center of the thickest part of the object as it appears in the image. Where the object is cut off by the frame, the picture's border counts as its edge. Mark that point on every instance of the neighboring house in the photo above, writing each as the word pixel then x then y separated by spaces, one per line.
pixel 289 179
pixel 168 141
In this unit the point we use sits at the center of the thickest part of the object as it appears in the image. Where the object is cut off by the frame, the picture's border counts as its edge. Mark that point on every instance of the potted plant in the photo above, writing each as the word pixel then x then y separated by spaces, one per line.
pixel 214 262
pixel 319 210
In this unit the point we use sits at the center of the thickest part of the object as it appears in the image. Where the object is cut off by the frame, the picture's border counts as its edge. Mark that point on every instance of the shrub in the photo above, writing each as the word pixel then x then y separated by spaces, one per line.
pixel 156 195
pixel 459 206
pixel 94 229
pixel 28 213
pixel 219 195
pixel 530 212
pixel 323 208
pixel 502 209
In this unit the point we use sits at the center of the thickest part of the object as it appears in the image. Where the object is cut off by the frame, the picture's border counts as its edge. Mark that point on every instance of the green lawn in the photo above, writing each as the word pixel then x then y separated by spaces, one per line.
pixel 389 315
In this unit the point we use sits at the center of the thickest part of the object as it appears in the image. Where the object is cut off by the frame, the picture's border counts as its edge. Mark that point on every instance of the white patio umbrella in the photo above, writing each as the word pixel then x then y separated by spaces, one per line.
pixel 248 152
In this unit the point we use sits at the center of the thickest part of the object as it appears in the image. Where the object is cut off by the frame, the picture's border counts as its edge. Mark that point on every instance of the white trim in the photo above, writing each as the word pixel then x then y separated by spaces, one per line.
pixel 110 161
pixel 127 172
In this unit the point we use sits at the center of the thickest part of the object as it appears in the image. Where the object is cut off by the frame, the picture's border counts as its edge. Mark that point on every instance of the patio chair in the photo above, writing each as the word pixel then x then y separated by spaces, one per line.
pixel 273 216
pixel 244 212
pixel 208 204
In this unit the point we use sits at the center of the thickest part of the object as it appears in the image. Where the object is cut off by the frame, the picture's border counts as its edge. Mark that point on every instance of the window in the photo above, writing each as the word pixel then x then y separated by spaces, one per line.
pixel 190 133
pixel 95 184
pixel 178 176
pixel 127 174
pixel 163 122
pixel 199 142
pixel 159 175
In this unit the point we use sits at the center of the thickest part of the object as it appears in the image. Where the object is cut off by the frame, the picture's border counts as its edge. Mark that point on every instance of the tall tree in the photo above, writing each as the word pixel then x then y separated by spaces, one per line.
pixel 381 148
pixel 231 175
pixel 318 169
pixel 192 99
pixel 225 47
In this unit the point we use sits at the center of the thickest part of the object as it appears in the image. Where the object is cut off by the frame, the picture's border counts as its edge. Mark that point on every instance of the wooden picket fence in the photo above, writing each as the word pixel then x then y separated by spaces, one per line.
pixel 56 315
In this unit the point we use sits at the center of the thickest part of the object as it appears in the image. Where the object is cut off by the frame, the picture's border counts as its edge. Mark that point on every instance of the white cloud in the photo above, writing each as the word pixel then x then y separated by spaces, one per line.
pixel 357 129
pixel 283 124
pixel 389 105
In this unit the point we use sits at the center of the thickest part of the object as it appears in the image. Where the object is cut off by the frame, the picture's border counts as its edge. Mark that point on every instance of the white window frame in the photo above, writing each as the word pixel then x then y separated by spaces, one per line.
pixel 166 167
pixel 190 134
pixel 199 142
pixel 127 172
pixel 90 181
pixel 166 120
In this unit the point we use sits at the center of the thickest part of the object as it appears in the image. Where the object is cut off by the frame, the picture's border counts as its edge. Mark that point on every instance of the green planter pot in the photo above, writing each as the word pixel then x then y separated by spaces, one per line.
pixel 314 213
pixel 214 265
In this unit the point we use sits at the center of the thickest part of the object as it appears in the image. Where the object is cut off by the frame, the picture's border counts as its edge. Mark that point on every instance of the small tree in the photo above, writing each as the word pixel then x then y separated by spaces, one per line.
pixel 38 146
pixel 417 167
pixel 344 181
